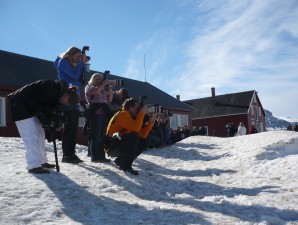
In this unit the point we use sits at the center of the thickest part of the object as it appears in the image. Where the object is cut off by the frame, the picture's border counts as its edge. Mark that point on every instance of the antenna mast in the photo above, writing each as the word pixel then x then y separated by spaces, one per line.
pixel 145 67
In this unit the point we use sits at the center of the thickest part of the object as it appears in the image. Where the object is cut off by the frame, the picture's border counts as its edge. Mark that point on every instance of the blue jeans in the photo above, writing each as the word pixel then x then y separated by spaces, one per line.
pixel 95 145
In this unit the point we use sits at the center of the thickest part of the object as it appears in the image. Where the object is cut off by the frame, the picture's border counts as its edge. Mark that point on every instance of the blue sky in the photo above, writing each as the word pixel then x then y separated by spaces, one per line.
pixel 189 46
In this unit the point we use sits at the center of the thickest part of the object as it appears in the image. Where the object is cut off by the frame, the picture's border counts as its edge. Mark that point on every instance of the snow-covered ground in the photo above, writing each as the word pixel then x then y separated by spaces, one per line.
pixel 250 179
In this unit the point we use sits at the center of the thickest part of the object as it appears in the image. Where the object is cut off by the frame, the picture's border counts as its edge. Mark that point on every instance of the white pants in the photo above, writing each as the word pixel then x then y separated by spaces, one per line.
pixel 33 136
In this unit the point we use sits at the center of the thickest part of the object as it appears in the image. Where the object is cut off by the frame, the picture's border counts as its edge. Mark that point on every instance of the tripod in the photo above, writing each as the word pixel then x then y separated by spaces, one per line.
pixel 53 138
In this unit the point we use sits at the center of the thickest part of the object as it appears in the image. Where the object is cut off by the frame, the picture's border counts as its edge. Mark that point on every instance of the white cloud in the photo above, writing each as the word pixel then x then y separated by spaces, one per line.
pixel 236 46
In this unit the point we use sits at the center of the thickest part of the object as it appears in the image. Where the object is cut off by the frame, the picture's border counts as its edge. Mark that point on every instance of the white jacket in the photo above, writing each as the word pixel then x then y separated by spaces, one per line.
pixel 241 131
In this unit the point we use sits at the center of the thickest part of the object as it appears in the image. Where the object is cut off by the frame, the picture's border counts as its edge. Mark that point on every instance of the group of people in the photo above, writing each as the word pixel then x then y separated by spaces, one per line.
pixel 240 130
pixel 161 135
pixel 30 103
pixel 180 133
pixel 290 127
pixel 113 117
pixel 199 131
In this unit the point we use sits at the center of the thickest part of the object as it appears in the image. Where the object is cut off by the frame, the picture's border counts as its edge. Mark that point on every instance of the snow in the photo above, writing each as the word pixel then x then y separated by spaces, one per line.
pixel 249 179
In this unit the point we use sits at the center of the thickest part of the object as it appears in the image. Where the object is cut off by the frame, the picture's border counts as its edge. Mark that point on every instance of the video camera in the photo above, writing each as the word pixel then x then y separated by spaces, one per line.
pixel 159 110
pixel 156 108
pixel 53 120
pixel 118 82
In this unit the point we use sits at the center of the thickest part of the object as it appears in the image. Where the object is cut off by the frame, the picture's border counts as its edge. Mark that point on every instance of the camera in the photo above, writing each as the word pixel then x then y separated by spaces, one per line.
pixel 159 110
pixel 53 120
pixel 118 82
pixel 84 49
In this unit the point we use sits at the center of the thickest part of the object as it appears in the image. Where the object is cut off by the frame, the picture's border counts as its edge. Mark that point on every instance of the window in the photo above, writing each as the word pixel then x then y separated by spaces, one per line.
pixel 2 112
pixel 260 111
pixel 257 112
pixel 252 110
pixel 178 121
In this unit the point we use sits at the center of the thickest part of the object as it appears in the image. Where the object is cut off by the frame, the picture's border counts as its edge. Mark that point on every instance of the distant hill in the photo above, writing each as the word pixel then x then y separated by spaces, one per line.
pixel 274 123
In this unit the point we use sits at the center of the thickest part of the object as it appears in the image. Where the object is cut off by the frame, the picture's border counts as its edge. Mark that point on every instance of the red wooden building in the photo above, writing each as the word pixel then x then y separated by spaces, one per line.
pixel 215 112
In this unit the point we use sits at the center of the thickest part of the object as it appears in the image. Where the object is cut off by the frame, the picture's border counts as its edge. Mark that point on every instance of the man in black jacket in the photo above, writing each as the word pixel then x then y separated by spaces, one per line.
pixel 27 103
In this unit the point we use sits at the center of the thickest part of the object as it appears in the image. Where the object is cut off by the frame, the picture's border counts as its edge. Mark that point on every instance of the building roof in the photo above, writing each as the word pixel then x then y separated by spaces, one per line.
pixel 222 105
pixel 18 70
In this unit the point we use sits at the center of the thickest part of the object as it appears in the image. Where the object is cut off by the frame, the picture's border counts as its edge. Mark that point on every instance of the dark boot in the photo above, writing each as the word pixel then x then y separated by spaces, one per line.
pixel 48 165
pixel 130 170
pixel 71 159
pixel 38 170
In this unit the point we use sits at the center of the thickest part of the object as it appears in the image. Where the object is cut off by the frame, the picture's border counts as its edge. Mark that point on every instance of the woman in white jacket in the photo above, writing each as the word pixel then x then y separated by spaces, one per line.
pixel 241 129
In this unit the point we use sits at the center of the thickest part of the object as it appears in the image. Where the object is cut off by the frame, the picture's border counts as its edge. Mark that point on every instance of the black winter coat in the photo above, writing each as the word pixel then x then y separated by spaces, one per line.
pixel 38 97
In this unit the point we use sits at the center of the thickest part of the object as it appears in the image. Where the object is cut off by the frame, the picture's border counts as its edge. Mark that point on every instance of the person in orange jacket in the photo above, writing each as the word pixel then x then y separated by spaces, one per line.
pixel 129 134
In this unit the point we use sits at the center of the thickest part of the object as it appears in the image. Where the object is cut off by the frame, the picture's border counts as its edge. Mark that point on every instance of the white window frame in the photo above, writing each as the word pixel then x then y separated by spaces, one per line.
pixel 2 112
pixel 178 120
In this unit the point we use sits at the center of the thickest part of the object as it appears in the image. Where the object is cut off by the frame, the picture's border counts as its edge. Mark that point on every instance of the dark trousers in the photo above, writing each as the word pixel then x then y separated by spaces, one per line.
pixel 95 145
pixel 131 146
pixel 69 134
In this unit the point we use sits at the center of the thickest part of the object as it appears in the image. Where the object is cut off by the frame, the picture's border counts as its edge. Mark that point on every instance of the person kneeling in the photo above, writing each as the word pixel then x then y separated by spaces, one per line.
pixel 128 135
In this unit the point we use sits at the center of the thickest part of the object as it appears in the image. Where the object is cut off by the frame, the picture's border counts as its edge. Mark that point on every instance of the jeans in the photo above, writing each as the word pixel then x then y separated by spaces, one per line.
pixel 95 145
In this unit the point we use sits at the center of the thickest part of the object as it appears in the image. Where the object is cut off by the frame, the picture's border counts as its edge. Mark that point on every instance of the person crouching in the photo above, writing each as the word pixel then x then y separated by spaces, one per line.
pixel 127 127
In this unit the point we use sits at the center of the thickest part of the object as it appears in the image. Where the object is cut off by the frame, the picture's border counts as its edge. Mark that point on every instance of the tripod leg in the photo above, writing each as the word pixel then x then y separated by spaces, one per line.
pixel 56 156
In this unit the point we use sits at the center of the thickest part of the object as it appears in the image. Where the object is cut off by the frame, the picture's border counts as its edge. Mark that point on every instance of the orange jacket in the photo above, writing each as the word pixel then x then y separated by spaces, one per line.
pixel 124 123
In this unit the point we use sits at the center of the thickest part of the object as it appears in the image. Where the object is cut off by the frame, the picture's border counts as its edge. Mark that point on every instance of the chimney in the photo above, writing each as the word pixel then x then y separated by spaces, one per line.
pixel 178 97
pixel 213 93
